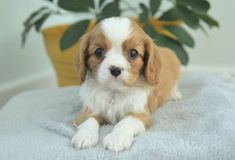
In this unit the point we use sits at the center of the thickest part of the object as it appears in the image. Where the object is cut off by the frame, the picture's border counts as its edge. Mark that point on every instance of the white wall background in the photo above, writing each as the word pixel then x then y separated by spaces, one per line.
pixel 18 66
pixel 16 62
pixel 217 49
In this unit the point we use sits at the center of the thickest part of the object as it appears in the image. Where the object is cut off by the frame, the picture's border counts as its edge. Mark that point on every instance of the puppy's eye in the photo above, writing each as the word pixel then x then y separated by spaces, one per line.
pixel 99 52
pixel 133 54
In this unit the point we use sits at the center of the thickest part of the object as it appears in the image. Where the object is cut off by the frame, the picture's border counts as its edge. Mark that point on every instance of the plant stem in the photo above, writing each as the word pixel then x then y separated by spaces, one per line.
pixel 129 9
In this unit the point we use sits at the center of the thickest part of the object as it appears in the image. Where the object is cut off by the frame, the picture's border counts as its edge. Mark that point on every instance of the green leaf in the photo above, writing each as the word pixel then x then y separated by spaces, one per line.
pixel 187 16
pixel 164 41
pixel 76 5
pixel 90 3
pixel 101 2
pixel 181 35
pixel 150 31
pixel 154 6
pixel 73 34
pixel 24 34
pixel 198 5
pixel 33 15
pixel 144 15
pixel 203 29
pixel 181 53
pixel 169 15
pixel 208 20
pixel 39 22
pixel 111 10
pixel 29 22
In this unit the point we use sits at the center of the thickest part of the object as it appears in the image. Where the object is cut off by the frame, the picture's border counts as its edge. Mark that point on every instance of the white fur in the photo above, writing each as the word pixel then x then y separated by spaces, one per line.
pixel 116 29
pixel 123 134
pixel 87 135
pixel 113 104
pixel 175 94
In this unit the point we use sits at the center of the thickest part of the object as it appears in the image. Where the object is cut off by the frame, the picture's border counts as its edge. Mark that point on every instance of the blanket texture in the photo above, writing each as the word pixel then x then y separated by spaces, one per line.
pixel 37 125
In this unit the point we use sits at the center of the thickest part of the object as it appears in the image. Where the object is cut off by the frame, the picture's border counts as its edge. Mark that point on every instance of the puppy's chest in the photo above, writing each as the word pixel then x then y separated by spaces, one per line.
pixel 115 106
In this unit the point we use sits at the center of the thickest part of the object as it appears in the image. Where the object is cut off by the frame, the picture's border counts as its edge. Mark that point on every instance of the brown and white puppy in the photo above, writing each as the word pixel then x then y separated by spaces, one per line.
pixel 125 77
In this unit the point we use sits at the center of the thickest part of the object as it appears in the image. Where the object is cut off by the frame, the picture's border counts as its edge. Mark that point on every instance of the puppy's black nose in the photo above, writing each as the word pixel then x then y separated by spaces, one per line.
pixel 115 71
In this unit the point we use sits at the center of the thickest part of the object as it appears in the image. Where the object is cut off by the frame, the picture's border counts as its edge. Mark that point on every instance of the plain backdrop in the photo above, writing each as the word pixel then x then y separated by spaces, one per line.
pixel 214 51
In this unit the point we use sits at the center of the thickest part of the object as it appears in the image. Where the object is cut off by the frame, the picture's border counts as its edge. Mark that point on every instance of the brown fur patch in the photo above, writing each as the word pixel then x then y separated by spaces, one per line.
pixel 137 64
pixel 152 63
pixel 88 44
pixel 168 77
pixel 82 56
pixel 87 114
pixel 146 118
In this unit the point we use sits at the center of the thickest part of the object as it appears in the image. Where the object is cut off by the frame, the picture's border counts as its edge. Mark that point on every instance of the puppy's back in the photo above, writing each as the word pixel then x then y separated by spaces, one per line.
pixel 168 78
pixel 170 63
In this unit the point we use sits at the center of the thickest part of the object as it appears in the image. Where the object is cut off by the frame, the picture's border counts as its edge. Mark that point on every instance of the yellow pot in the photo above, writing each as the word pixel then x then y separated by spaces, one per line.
pixel 63 62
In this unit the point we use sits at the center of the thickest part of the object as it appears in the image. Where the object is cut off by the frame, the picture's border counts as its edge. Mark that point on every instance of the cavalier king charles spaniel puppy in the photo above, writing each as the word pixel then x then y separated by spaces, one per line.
pixel 125 76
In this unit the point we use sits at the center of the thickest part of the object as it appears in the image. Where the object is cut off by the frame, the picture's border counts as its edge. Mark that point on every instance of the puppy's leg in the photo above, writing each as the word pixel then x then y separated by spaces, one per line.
pixel 123 133
pixel 175 94
pixel 88 130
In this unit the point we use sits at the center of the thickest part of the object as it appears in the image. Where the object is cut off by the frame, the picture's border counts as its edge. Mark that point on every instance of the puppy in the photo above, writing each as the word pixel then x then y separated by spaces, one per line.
pixel 125 76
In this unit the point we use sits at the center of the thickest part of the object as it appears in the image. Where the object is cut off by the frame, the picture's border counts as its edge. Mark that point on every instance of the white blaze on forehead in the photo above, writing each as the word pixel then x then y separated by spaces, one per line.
pixel 116 29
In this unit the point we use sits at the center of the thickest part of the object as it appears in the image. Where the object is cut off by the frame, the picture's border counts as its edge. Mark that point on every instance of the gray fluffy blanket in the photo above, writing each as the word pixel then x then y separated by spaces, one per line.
pixel 37 125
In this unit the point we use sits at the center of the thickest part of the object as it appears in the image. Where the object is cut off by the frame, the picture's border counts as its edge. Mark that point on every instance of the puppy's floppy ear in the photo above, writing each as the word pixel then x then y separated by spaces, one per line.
pixel 82 57
pixel 152 62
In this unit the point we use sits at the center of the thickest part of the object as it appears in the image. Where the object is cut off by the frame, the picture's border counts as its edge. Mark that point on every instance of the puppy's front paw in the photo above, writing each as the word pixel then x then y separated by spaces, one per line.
pixel 118 141
pixel 87 135
pixel 176 95
pixel 85 139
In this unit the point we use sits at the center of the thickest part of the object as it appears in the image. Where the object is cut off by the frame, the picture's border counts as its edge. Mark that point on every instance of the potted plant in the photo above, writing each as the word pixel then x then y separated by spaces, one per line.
pixel 166 27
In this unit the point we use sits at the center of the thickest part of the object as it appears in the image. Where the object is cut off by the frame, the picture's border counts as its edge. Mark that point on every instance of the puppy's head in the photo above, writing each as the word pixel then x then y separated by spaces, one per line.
pixel 118 53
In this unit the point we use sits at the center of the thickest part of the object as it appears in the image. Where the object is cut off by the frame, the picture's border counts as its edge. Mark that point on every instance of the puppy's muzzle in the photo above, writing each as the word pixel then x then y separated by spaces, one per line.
pixel 115 71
